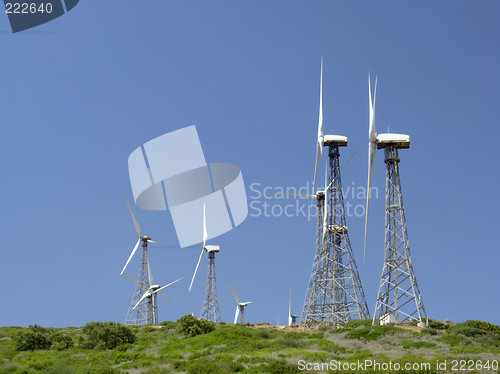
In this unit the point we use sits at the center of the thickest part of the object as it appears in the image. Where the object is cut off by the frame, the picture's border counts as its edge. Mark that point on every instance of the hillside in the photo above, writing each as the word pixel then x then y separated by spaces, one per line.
pixel 246 349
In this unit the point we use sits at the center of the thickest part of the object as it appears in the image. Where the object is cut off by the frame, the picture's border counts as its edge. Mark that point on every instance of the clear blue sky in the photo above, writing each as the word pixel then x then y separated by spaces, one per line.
pixel 81 92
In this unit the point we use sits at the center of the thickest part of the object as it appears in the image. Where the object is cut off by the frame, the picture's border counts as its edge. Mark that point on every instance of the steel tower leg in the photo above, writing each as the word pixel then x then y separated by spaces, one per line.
pixel 399 299
pixel 145 313
pixel 335 294
pixel 210 310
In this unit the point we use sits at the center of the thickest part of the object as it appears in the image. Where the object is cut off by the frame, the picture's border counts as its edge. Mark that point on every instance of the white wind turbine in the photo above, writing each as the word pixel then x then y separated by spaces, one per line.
pixel 377 140
pixel 292 318
pixel 144 238
pixel 399 299
pixel 207 248
pixel 141 313
pixel 150 293
pixel 240 307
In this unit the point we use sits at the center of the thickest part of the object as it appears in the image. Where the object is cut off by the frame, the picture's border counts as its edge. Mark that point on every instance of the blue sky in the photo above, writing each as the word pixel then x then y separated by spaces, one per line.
pixel 81 92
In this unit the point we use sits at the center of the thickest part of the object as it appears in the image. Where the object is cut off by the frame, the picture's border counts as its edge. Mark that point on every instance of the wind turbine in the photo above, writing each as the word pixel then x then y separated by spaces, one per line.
pixel 399 299
pixel 144 313
pixel 292 318
pixel 210 310
pixel 240 307
pixel 334 294
pixel 150 294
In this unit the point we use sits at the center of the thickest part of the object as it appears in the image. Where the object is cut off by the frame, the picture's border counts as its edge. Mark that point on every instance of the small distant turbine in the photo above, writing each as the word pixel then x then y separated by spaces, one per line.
pixel 150 294
pixel 292 318
pixel 240 307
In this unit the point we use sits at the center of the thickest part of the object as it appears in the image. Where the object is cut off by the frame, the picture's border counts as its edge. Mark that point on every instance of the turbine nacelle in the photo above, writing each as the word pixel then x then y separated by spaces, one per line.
pixel 340 140
pixel 400 140
pixel 212 248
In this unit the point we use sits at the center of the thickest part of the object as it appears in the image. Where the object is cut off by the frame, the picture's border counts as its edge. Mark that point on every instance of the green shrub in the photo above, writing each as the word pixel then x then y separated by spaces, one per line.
pixel 437 324
pixel 32 338
pixel 108 335
pixel 169 324
pixel 455 340
pixel 357 323
pixel 192 326
pixel 474 328
pixel 264 334
pixel 60 341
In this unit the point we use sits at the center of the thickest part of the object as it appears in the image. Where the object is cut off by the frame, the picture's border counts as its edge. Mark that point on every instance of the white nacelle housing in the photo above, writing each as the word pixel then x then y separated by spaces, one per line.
pixel 335 139
pixel 212 248
pixel 401 140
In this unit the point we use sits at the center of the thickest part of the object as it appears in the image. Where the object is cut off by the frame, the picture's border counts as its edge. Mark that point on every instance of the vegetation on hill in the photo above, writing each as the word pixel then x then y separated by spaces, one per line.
pixel 194 346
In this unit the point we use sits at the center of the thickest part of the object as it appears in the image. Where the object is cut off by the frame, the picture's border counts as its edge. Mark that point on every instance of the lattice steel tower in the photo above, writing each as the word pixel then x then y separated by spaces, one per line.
pixel 210 310
pixel 399 299
pixel 335 294
pixel 146 312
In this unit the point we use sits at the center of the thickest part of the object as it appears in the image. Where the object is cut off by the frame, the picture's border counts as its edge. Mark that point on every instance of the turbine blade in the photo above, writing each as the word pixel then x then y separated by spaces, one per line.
pixel 140 300
pixel 325 216
pixel 319 146
pixel 290 309
pixel 150 274
pixel 131 255
pixel 320 120
pixel 152 241
pixel 292 195
pixel 234 293
pixel 371 157
pixel 236 313
pixel 372 144
pixel 196 269
pixel 165 286
pixel 137 282
pixel 162 295
pixel 136 224
pixel 372 130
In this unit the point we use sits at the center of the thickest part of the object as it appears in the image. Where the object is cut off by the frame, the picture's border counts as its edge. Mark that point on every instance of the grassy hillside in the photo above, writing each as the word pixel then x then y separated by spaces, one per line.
pixel 246 349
